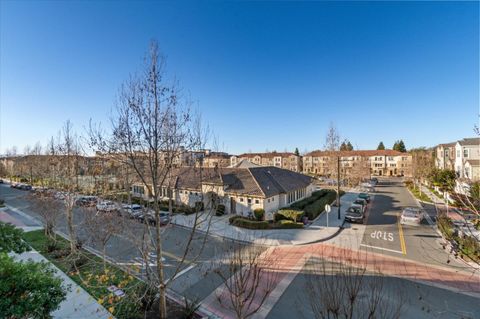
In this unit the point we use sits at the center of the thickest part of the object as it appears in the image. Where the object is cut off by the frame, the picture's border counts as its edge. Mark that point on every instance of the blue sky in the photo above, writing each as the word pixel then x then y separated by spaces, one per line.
pixel 265 75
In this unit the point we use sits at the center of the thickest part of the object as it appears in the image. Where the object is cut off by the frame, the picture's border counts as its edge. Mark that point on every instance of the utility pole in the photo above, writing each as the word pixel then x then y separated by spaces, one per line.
pixel 338 186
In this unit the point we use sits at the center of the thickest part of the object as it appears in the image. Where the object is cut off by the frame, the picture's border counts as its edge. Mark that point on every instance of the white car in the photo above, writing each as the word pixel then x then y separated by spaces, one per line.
pixel 412 216
pixel 107 206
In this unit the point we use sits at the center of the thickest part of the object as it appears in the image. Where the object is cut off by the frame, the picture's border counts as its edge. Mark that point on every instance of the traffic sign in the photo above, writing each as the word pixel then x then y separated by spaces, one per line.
pixel 328 208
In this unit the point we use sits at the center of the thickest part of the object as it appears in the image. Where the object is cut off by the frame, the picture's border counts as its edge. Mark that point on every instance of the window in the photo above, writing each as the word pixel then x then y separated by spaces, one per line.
pixel 268 200
pixel 249 200
pixel 458 153
pixel 273 198
pixel 257 201
pixel 465 153
pixel 241 199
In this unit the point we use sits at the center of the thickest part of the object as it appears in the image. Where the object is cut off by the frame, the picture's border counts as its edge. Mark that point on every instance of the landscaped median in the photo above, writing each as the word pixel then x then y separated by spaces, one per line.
pixel 416 192
pixel 118 290
pixel 289 217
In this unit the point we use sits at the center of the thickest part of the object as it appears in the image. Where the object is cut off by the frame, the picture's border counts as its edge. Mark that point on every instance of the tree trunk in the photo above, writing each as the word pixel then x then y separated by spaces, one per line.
pixel 162 303
pixel 71 232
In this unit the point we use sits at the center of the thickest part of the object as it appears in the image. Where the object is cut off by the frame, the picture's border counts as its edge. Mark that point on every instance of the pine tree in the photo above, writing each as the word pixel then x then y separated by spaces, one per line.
pixel 401 146
pixel 296 151
pixel 343 146
pixel 349 146
pixel 380 146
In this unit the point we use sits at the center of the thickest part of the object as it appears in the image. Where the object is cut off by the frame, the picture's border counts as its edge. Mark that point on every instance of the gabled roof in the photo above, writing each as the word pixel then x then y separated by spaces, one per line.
pixel 470 141
pixel 473 162
pixel 263 181
pixel 447 144
pixel 245 164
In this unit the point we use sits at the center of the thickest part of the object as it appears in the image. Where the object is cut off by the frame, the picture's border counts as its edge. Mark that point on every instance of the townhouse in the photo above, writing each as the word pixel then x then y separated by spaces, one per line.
pixel 241 189
pixel 284 160
pixel 445 156
pixel 467 158
pixel 366 162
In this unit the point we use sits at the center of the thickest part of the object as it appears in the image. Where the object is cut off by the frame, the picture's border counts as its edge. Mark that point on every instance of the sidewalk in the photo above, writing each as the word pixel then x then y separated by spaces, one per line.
pixel 315 232
pixel 78 303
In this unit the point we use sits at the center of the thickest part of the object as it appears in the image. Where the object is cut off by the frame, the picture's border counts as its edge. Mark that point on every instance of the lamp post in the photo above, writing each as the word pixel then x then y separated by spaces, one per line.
pixel 338 186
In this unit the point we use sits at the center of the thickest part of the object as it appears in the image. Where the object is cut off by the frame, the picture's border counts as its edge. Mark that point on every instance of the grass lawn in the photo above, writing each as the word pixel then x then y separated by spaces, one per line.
pixel 87 270
pixel 416 192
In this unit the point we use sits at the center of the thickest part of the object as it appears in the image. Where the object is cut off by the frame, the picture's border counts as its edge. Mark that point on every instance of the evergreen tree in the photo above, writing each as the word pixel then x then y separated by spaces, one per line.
pixel 296 151
pixel 395 146
pixel 349 146
pixel 343 146
pixel 401 146
pixel 380 146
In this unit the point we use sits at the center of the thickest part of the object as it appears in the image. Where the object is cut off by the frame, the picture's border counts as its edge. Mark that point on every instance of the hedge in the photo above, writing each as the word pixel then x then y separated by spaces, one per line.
pixel 286 224
pixel 309 200
pixel 231 219
pixel 314 209
pixel 220 210
pixel 250 224
pixel 290 214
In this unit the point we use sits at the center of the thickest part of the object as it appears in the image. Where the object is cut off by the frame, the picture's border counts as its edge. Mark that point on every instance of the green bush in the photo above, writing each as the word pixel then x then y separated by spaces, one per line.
pixel 291 214
pixel 313 210
pixel 288 224
pixel 259 213
pixel 309 200
pixel 231 219
pixel 220 210
pixel 28 289
pixel 199 206
pixel 470 247
pixel 278 217
pixel 250 224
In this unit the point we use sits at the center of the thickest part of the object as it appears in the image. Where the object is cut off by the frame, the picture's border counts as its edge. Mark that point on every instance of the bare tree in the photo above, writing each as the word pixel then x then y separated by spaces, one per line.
pixel 422 165
pixel 101 227
pixel 250 277
pixel 49 210
pixel 67 157
pixel 152 128
pixel 348 289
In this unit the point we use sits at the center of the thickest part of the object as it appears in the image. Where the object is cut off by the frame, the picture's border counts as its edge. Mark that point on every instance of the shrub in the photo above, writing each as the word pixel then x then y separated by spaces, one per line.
pixel 313 210
pixel 259 213
pixel 231 219
pixel 278 217
pixel 250 224
pixel 288 224
pixel 28 289
pixel 291 214
pixel 220 210
pixel 2 202
pixel 470 247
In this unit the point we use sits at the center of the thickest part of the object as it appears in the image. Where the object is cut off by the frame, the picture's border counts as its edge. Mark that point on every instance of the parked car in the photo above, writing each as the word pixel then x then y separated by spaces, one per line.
pixel 25 187
pixel 374 180
pixel 107 206
pixel 360 203
pixel 13 185
pixel 364 196
pixel 1 181
pixel 133 211
pixel 88 201
pixel 149 217
pixel 412 216
pixel 354 214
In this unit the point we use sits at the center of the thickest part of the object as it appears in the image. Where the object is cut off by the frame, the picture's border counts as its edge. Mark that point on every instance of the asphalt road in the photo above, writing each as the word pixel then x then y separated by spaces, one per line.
pixel 417 300
pixel 384 234
pixel 197 277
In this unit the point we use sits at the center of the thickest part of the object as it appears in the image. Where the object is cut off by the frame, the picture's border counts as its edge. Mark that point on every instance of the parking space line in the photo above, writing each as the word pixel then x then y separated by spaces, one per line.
pixel 381 248
pixel 402 238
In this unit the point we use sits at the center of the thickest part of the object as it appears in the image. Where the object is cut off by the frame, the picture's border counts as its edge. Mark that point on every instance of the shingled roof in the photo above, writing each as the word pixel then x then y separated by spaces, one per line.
pixel 470 141
pixel 262 181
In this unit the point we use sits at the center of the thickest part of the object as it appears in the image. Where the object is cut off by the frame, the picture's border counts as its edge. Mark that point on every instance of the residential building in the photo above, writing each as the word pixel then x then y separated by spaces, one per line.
pixel 445 156
pixel 241 189
pixel 467 156
pixel 215 159
pixel 376 162
pixel 284 160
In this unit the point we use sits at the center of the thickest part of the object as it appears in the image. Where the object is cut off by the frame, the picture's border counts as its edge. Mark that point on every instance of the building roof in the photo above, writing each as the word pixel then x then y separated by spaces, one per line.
pixel 447 144
pixel 263 181
pixel 319 153
pixel 245 164
pixel 470 141
pixel 473 162
pixel 266 154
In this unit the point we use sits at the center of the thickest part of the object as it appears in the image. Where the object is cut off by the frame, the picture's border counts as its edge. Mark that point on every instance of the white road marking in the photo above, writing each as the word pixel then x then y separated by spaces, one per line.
pixel 381 248
pixel 181 273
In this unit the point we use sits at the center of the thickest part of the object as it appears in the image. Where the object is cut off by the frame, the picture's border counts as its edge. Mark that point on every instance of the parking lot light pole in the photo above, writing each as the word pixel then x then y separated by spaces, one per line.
pixel 338 186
